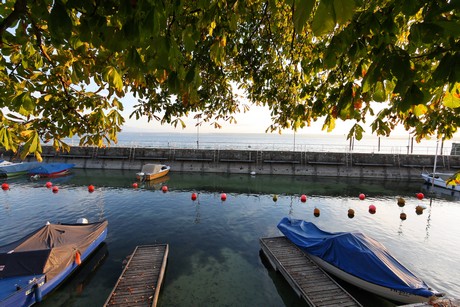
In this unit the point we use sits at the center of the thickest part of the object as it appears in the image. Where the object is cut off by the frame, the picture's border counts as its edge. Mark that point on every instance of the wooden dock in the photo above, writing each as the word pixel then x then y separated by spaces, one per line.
pixel 141 279
pixel 307 279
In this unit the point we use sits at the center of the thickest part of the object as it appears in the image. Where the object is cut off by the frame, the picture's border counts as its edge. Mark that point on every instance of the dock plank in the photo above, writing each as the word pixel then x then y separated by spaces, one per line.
pixel 139 283
pixel 307 279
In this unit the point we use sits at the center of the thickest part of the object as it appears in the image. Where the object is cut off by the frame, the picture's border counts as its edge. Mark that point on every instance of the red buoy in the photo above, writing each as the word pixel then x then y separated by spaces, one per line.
pixel 420 195
pixel 372 209
pixel 135 185
pixel 5 186
pixel 49 184
pixel 91 188
pixel 194 196
pixel 164 188
pixel 77 258
pixel 362 196
pixel 303 198
pixel 55 189
pixel 223 196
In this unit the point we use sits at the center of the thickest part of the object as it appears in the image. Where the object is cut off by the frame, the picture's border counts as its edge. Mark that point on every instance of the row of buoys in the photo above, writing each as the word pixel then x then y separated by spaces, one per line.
pixel 49 185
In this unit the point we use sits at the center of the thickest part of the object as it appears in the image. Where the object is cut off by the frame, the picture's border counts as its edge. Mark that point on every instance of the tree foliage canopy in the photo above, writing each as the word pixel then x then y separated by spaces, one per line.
pixel 66 65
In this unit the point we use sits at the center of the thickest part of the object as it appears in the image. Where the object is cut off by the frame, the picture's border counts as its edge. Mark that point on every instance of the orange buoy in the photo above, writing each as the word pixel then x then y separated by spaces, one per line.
pixel 135 185
pixel 362 196
pixel 316 212
pixel 419 210
pixel 91 188
pixel 303 198
pixel 5 186
pixel 164 188
pixel 55 189
pixel 223 196
pixel 194 196
pixel 49 184
pixel 351 213
pixel 77 258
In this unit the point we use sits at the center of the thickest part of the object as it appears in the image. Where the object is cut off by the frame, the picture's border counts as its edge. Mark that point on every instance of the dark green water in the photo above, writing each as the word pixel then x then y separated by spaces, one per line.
pixel 214 246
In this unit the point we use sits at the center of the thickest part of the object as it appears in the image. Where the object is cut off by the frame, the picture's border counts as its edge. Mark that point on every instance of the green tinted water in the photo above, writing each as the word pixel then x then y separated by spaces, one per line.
pixel 214 255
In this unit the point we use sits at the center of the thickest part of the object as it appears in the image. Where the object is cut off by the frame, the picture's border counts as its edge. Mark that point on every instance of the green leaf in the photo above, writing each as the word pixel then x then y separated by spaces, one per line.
pixel 329 124
pixel 414 96
pixel 442 72
pixel 344 10
pixel 60 24
pixel 173 82
pixel 187 37
pixel 302 11
pixel 112 76
pixel 32 144
pixel 324 19
pixel 420 110
pixel 28 103
pixel 452 99
pixel 358 131
pixel 379 92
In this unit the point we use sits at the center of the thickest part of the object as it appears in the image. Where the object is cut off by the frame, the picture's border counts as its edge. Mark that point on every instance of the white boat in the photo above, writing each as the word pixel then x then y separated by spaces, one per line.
pixel 440 180
pixel 358 260
pixel 11 169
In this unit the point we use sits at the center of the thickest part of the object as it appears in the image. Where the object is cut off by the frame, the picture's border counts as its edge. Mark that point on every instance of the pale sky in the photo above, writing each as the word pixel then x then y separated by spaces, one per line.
pixel 256 120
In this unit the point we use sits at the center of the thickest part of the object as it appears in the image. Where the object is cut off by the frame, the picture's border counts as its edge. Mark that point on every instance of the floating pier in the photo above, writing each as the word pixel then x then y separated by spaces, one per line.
pixel 307 279
pixel 141 279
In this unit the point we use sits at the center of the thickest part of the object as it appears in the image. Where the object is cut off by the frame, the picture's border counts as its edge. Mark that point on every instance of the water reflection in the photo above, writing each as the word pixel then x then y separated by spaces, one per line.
pixel 214 245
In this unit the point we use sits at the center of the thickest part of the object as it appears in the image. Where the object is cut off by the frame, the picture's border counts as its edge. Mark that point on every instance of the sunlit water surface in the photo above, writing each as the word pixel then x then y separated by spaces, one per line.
pixel 214 257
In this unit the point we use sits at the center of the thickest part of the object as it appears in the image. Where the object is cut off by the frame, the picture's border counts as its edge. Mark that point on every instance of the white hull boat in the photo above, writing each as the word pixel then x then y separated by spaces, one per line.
pixel 439 180
pixel 358 260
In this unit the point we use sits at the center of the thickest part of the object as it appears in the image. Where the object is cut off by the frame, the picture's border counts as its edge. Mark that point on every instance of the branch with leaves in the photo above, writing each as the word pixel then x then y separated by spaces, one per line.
pixel 394 62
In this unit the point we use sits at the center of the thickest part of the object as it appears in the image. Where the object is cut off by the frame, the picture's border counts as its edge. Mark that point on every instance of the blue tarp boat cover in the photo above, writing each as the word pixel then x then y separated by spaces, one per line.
pixel 354 253
pixel 50 168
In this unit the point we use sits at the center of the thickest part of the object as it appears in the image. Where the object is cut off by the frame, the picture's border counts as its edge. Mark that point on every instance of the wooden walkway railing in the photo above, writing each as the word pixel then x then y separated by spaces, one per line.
pixel 305 277
pixel 141 279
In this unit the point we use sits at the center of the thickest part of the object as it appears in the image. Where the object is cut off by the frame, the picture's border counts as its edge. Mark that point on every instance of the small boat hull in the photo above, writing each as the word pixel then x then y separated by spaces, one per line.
pixel 51 170
pixel 388 293
pixel 151 172
pixel 12 169
pixel 358 260
pixel 439 180
pixel 28 290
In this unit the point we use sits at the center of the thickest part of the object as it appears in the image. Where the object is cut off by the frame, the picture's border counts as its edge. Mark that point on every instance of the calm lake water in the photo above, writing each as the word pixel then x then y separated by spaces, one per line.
pixel 214 257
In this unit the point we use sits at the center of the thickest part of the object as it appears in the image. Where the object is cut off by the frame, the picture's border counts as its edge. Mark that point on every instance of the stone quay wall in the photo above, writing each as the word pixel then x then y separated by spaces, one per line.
pixel 294 163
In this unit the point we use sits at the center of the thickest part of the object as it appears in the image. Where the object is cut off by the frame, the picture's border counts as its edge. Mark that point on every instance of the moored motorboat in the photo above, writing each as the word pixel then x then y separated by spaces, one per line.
pixel 51 169
pixel 35 265
pixel 11 169
pixel 152 171
pixel 358 260
pixel 440 180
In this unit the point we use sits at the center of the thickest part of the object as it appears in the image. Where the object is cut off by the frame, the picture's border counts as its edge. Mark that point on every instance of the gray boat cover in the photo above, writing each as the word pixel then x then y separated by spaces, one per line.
pixel 48 250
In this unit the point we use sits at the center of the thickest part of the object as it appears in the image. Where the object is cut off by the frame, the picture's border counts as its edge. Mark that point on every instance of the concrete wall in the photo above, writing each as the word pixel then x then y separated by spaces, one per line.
pixel 361 165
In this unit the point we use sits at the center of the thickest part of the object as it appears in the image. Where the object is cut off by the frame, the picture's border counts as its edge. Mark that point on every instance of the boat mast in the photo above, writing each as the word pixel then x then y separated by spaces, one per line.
pixel 435 161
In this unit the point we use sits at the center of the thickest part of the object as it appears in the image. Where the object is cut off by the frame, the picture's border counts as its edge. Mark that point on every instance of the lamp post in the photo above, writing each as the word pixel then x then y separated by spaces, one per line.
pixel 197 134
